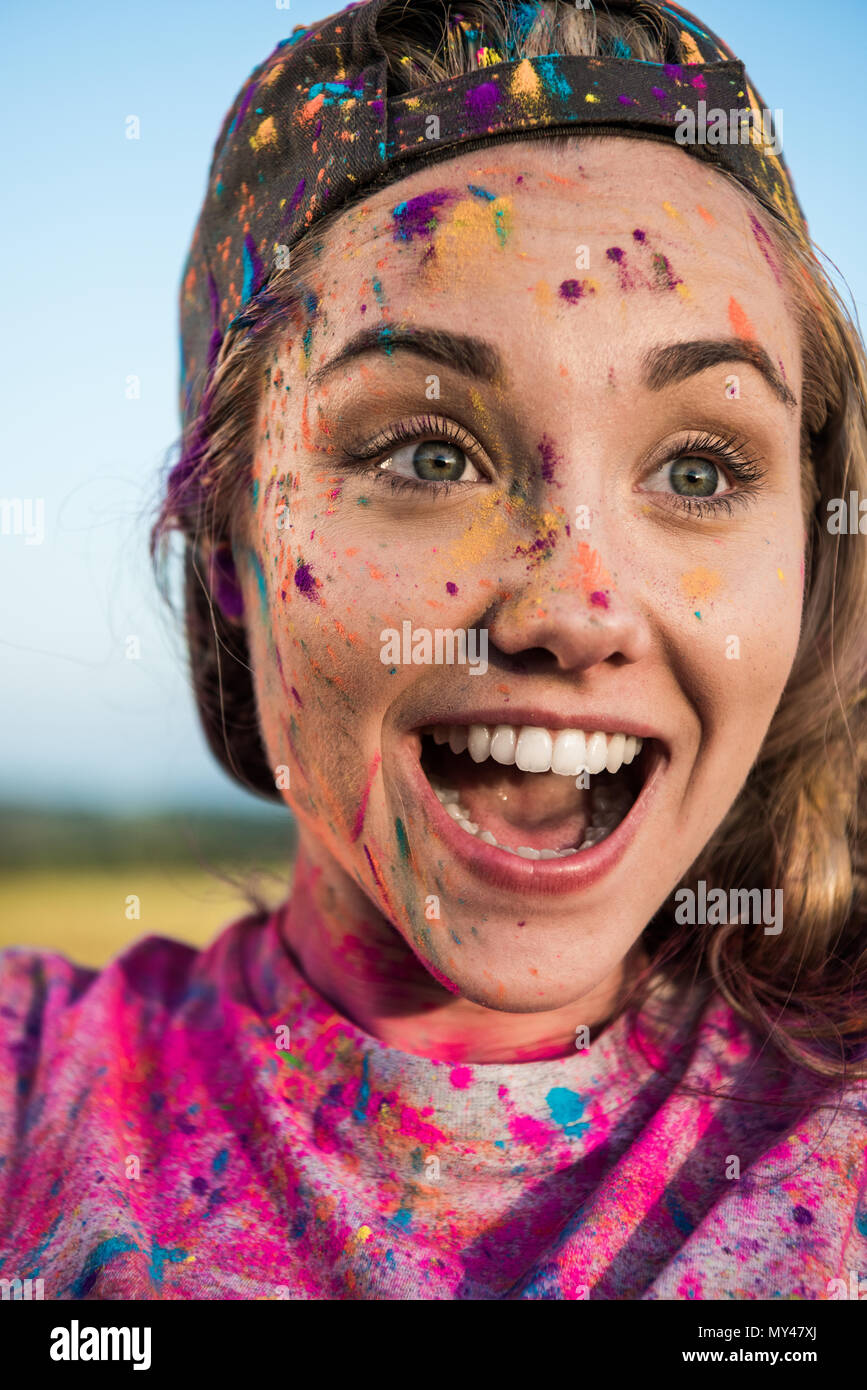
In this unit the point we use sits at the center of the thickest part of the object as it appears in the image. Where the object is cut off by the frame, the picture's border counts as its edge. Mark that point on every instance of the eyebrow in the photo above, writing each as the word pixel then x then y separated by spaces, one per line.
pixel 471 356
pixel 664 366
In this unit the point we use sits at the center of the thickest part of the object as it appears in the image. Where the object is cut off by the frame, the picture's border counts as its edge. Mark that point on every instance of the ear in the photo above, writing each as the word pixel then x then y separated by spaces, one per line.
pixel 222 581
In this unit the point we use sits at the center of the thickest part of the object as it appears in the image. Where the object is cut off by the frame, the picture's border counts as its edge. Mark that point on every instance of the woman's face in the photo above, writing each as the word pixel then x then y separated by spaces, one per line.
pixel 546 399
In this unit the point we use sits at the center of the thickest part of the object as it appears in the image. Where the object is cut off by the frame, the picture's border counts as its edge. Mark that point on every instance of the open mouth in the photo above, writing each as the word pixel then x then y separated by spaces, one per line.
pixel 521 788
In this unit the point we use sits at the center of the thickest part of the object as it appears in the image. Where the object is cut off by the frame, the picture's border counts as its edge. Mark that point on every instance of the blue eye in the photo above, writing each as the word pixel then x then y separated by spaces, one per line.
pixel 433 461
pixel 694 477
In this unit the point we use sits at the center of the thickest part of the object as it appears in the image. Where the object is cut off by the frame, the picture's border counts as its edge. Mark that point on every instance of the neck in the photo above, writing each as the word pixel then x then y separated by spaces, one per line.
pixel 353 956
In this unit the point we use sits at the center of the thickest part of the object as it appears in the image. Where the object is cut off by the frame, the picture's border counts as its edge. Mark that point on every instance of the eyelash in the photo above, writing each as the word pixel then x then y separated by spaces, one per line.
pixel 405 432
pixel 746 469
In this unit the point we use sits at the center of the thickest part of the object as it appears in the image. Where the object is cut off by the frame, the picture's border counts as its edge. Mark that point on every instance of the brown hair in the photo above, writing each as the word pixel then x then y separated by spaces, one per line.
pixel 795 824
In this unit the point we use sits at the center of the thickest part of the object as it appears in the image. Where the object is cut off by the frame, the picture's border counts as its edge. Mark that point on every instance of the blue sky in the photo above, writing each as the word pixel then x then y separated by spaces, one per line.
pixel 94 236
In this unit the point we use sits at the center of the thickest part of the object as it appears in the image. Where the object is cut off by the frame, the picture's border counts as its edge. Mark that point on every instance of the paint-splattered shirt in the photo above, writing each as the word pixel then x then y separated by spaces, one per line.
pixel 202 1124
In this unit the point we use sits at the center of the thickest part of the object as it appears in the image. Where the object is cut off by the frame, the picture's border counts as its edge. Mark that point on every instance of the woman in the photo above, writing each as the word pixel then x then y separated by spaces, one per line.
pixel 509 448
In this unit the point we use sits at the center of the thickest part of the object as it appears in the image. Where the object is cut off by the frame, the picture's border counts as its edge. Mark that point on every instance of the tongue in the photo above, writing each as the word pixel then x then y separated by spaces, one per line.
pixel 541 810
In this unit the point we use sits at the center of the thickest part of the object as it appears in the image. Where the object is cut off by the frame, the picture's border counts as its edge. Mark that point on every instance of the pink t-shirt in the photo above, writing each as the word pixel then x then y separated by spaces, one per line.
pixel 162 1136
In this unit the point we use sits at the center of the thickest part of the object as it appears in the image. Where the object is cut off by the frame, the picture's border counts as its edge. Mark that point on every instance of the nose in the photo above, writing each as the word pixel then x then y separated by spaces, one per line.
pixel 570 609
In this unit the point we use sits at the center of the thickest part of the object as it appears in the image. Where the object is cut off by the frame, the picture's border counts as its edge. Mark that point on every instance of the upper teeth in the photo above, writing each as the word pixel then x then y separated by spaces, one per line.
pixel 566 751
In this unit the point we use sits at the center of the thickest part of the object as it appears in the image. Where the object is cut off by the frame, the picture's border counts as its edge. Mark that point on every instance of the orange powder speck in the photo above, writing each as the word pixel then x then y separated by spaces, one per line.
pixel 699 585
pixel 739 321
pixel 589 571
pixel 708 216
pixel 310 108
pixel 374 572
pixel 353 550
pixel 504 689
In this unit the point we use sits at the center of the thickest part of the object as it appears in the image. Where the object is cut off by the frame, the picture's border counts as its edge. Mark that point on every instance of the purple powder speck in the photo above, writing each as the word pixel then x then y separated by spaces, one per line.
pixel 549 457
pixel 296 696
pixel 480 102
pixel 639 235
pixel 573 290
pixel 304 581
pixel 451 588
pixel 615 253
pixel 416 217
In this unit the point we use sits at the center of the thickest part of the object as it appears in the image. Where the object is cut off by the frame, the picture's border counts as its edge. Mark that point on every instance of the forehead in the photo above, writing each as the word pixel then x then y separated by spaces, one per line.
pixel 621 241
pixel 531 199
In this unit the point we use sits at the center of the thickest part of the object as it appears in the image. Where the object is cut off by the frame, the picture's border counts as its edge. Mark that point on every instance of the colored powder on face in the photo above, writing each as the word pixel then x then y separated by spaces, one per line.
pixel 451 587
pixel 365 796
pixel 765 245
pixel 665 276
pixel 417 216
pixel 708 216
pixel 739 321
pixel 617 256
pixel 481 192
pixel 699 585
pixel 260 579
pixel 402 841
pixel 304 581
pixel 591 573
pixel 639 235
pixel 296 696
pixel 599 599
pixel 550 458
pixel 573 290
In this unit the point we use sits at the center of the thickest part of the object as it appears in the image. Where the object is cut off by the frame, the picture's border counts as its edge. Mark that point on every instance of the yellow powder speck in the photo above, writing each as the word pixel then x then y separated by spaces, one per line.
pixel 699 585
pixel 781 576
pixel 684 291
pixel 525 84
pixel 543 295
pixel 363 1233
pixel 591 97
pixel 265 134
pixel 671 210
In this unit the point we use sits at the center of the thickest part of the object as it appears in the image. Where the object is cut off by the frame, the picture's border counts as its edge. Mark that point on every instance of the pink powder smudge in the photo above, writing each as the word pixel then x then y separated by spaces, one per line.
pixel 362 806
pixel 461 1077
pixel 599 598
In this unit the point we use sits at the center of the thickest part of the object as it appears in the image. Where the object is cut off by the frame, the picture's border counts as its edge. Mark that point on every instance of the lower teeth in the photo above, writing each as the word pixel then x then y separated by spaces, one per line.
pixel 604 818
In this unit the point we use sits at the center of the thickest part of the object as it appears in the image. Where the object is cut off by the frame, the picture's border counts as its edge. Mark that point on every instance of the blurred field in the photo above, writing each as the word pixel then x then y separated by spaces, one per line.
pixel 66 877
pixel 81 913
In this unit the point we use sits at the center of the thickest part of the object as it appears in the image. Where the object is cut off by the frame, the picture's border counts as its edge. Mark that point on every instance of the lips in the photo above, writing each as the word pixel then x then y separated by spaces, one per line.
pixel 534 804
